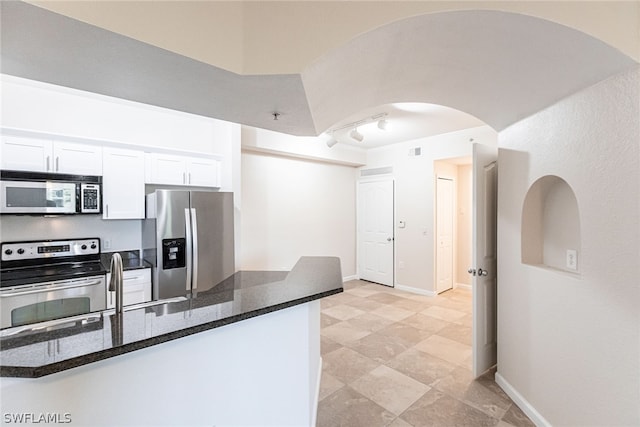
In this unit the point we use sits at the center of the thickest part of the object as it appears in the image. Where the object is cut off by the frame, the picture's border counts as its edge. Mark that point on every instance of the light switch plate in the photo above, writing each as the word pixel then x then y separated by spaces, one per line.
pixel 572 259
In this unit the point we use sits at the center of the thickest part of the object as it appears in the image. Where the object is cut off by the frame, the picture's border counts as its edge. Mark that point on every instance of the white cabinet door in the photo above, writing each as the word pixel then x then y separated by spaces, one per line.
pixel 203 172
pixel 166 169
pixel 78 159
pixel 122 183
pixel 136 287
pixel 26 154
pixel 173 169
pixel 42 155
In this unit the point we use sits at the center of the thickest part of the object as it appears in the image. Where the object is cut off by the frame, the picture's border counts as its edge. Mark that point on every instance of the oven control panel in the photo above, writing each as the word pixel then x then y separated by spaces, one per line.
pixel 15 251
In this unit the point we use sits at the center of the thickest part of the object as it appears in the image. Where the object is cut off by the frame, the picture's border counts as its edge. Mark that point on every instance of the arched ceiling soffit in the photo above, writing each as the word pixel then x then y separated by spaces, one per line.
pixel 498 66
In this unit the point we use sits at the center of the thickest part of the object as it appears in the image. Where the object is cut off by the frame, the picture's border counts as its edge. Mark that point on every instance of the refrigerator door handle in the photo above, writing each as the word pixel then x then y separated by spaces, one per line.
pixel 189 242
pixel 194 223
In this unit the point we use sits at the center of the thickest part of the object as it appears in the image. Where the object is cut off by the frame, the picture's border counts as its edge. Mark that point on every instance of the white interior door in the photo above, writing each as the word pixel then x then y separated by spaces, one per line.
pixel 485 183
pixel 444 234
pixel 375 231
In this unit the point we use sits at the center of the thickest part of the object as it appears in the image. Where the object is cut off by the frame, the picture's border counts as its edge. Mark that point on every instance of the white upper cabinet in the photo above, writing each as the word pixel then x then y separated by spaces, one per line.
pixel 41 155
pixel 173 169
pixel 77 159
pixel 203 172
pixel 25 154
pixel 122 183
pixel 166 169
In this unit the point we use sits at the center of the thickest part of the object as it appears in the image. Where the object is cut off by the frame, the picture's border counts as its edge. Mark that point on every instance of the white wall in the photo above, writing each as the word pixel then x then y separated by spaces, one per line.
pixel 308 147
pixel 414 198
pixel 569 345
pixel 123 234
pixel 294 207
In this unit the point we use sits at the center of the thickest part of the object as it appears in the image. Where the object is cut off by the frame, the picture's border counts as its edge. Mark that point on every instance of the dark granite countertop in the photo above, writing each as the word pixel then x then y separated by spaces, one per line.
pixel 246 294
pixel 130 260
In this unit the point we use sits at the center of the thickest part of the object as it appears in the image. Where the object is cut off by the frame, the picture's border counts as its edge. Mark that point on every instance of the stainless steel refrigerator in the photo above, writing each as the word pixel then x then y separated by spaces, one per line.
pixel 188 238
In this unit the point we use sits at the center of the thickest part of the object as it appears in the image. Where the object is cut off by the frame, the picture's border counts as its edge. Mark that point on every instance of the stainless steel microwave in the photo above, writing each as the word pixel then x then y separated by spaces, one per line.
pixel 35 193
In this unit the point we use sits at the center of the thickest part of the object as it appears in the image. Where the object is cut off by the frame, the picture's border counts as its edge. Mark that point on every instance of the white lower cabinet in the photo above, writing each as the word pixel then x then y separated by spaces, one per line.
pixel 123 183
pixel 136 287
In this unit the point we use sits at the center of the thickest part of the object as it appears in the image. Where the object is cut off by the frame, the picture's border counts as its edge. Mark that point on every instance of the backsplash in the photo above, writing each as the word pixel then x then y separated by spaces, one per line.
pixel 121 234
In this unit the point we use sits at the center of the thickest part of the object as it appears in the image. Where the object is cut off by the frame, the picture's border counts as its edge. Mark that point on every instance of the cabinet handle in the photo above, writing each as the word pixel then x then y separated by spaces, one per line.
pixel 184 178
pixel 189 177
pixel 57 163
pixel 106 208
pixel 48 161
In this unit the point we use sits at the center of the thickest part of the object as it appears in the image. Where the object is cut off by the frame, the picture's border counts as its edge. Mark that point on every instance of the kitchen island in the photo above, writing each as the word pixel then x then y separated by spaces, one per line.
pixel 174 364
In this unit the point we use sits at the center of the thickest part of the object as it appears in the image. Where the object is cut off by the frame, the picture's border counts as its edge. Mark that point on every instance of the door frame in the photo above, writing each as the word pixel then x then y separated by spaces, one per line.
pixel 359 252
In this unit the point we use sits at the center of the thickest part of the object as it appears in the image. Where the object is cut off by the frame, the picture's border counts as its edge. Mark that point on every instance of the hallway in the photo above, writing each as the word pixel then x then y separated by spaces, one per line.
pixel 400 359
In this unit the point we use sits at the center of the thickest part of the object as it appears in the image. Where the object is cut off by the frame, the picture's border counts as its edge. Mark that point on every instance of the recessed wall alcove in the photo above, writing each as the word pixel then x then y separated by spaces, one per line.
pixel 551 226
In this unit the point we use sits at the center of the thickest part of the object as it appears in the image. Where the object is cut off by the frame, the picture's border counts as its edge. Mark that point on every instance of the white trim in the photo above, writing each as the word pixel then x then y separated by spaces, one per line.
pixel 462 286
pixel 314 413
pixel 349 278
pixel 415 290
pixel 522 403
pixel 375 178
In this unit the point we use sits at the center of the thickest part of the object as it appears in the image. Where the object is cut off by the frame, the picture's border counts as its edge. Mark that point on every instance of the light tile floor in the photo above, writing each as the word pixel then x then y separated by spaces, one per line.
pixel 392 358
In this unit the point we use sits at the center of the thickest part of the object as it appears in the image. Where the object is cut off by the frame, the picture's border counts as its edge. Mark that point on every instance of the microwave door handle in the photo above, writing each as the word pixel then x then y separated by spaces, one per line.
pixel 189 238
pixel 194 227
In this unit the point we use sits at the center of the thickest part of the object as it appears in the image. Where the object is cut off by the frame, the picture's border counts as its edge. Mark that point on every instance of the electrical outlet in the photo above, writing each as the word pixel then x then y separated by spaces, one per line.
pixel 572 259
pixel 401 264
pixel 106 244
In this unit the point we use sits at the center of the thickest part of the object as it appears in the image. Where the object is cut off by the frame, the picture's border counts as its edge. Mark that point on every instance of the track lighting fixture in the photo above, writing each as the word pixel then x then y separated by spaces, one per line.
pixel 356 135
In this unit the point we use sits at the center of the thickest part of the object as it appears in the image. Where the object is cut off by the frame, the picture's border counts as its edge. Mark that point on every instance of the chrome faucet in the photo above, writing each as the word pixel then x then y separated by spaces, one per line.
pixel 115 284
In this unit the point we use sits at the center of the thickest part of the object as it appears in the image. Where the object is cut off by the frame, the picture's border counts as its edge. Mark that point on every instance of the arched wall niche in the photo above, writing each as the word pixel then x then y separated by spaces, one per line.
pixel 551 226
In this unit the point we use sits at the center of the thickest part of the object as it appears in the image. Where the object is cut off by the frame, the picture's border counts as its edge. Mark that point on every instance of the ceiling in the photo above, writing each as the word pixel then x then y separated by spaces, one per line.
pixel 499 67
pixel 405 122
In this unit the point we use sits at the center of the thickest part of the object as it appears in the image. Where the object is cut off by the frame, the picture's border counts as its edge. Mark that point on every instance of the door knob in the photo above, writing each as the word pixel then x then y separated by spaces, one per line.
pixel 472 271
pixel 482 272
pixel 389 239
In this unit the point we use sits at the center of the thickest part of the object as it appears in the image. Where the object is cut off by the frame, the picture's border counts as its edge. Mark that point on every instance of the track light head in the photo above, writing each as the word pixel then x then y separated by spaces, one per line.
pixel 356 135
pixel 331 142
pixel 383 124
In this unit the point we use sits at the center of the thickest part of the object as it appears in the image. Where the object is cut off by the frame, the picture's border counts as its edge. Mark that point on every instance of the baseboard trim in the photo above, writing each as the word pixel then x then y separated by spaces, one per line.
pixel 522 403
pixel 349 278
pixel 415 290
pixel 314 413
pixel 463 286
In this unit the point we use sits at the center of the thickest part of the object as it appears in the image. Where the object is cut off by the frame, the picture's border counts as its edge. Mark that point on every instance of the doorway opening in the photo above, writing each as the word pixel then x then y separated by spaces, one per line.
pixel 453 223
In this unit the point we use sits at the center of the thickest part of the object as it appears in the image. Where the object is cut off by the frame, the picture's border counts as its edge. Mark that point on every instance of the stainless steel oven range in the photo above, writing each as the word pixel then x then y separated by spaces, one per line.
pixel 52 279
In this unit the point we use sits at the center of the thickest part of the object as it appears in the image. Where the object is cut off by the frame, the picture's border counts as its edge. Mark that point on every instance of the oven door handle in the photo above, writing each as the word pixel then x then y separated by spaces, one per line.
pixel 67 321
pixel 49 289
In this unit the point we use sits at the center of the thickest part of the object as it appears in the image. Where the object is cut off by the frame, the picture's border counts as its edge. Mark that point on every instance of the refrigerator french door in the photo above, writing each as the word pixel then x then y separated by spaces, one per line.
pixel 188 238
